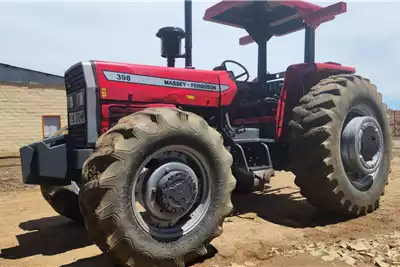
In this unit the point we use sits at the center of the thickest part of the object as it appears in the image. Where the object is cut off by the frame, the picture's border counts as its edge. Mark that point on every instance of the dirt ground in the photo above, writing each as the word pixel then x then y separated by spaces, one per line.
pixel 274 228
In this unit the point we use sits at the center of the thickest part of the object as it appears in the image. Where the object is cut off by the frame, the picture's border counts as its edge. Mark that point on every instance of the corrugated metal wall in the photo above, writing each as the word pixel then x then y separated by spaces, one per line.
pixel 11 74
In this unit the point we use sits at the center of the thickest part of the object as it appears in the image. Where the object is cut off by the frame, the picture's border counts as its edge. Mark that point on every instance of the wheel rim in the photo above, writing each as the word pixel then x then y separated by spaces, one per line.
pixel 361 147
pixel 171 192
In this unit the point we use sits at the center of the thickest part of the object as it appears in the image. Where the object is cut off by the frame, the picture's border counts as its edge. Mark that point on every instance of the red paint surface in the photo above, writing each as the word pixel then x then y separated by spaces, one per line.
pixel 298 78
pixel 314 15
pixel 158 94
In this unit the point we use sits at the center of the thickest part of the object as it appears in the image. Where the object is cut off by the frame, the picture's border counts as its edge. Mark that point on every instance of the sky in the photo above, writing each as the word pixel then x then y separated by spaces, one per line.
pixel 50 36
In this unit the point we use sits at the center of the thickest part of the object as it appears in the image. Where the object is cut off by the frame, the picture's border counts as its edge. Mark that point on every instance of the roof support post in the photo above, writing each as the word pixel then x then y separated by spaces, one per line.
pixel 309 45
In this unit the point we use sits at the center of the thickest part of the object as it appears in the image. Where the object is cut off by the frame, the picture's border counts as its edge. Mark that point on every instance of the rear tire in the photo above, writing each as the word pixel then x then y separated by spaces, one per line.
pixel 113 170
pixel 322 174
pixel 63 199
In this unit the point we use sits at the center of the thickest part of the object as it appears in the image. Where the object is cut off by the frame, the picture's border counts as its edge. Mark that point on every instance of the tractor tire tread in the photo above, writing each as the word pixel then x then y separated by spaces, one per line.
pixel 63 200
pixel 314 127
pixel 114 151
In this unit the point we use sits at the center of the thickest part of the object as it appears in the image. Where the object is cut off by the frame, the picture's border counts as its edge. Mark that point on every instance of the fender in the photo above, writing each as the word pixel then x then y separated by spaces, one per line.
pixel 299 78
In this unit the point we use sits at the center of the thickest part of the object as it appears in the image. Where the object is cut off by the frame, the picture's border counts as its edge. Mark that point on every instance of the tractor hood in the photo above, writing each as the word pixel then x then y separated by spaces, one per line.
pixel 157 84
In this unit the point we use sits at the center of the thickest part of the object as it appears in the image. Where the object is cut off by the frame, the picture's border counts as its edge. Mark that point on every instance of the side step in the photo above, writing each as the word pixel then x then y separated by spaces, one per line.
pixel 253 154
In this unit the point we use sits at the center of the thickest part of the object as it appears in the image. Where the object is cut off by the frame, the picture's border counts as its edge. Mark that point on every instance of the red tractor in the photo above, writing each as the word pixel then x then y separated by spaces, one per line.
pixel 154 153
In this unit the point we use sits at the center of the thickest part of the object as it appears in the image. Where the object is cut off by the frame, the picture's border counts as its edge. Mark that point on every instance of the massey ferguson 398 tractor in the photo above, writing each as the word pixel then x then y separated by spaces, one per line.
pixel 155 152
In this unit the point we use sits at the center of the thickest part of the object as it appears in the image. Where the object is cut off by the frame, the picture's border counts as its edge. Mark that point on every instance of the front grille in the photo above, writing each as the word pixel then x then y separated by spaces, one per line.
pixel 75 81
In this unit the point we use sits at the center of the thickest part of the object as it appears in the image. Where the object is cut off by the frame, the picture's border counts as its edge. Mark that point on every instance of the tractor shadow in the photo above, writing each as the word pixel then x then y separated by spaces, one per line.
pixel 100 260
pixel 47 236
pixel 103 261
pixel 57 235
pixel 283 206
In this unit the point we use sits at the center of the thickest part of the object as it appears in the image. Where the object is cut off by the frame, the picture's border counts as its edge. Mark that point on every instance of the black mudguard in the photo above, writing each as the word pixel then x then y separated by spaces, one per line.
pixel 50 162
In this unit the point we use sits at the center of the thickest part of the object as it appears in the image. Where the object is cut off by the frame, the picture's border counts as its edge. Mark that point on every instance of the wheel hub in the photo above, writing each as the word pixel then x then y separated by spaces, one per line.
pixel 171 191
pixel 369 142
pixel 177 192
pixel 362 144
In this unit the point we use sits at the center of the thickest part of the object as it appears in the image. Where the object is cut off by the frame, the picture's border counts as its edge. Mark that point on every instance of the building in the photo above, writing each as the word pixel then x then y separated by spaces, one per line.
pixel 32 106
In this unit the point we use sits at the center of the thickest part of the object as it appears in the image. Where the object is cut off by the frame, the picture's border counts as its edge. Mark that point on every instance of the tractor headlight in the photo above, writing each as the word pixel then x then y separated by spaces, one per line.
pixel 70 102
pixel 80 99
pixel 76 100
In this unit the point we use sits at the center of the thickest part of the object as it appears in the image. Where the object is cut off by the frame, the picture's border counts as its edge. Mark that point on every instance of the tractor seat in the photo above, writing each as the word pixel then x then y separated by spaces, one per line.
pixel 257 106
pixel 255 112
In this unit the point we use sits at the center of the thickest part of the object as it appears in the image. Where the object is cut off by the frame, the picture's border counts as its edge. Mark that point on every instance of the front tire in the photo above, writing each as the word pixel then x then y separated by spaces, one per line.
pixel 63 199
pixel 330 127
pixel 110 197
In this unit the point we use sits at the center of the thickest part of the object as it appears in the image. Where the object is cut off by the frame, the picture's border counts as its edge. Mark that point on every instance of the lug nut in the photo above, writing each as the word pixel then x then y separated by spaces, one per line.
pixel 173 210
pixel 182 210
pixel 163 196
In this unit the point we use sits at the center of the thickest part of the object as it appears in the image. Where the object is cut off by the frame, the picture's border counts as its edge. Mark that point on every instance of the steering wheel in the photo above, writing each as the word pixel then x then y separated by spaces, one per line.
pixel 236 77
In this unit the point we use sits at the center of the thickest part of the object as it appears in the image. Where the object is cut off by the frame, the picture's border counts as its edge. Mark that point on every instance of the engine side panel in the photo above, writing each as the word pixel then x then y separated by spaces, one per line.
pixel 154 84
pixel 111 113
pixel 299 79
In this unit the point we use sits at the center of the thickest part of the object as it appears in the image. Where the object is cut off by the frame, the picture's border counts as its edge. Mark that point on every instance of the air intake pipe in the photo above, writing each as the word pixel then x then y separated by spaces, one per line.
pixel 171 38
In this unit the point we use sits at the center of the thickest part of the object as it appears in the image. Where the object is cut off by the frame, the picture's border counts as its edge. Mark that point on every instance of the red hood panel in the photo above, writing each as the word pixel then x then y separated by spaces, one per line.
pixel 155 84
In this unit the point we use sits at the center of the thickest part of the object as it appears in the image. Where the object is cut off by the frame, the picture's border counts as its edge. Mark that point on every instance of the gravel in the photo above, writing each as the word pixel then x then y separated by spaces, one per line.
pixel 380 250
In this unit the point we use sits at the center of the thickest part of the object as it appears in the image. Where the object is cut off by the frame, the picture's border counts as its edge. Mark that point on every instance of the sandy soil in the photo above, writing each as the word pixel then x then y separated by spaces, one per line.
pixel 274 228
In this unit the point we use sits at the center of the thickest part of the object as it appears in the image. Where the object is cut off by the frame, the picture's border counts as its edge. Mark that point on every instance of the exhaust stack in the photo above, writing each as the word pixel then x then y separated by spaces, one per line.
pixel 188 33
